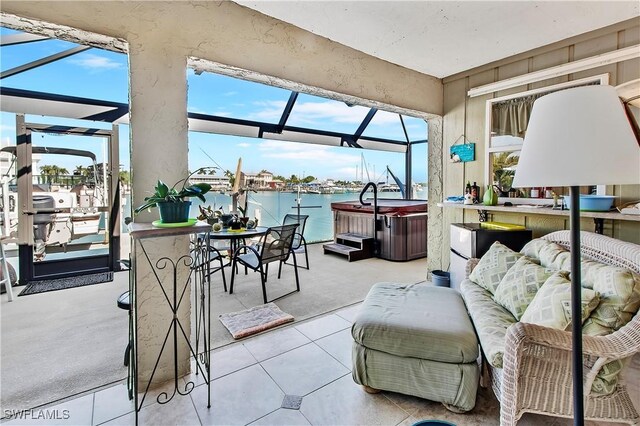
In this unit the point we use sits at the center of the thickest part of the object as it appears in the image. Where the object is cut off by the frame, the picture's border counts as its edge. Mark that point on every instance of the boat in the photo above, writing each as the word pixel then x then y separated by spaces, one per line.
pixel 63 213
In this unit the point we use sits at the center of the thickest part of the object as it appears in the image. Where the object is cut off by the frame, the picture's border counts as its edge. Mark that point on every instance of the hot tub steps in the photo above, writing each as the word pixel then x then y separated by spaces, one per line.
pixel 353 246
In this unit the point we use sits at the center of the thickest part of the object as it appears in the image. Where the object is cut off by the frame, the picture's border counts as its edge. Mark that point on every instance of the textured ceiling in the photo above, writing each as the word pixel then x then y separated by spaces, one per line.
pixel 441 38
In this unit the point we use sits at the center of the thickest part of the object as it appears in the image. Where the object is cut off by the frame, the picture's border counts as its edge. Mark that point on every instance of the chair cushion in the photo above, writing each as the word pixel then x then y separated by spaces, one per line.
pixel 551 306
pixel 418 321
pixel 493 266
pixel 490 320
pixel 520 285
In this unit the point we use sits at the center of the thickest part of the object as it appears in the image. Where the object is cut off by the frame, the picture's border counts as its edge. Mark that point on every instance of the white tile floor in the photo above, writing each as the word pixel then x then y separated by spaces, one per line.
pixel 311 359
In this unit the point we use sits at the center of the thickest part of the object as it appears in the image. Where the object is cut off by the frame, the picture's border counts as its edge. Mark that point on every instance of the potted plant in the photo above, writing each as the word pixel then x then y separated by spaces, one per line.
pixel 171 202
pixel 244 219
pixel 209 215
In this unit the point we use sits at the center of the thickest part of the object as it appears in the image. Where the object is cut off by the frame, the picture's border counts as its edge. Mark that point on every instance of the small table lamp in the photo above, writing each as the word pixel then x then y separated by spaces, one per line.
pixel 578 136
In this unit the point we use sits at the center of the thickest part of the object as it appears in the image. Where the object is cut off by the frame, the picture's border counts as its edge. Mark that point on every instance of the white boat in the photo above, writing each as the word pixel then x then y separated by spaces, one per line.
pixel 62 214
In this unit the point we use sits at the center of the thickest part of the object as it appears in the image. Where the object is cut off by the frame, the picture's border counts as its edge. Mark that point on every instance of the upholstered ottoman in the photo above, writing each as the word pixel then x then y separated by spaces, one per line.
pixel 417 340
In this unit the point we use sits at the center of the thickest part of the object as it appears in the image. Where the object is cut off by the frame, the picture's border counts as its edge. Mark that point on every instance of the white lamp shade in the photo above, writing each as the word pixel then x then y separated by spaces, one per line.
pixel 578 136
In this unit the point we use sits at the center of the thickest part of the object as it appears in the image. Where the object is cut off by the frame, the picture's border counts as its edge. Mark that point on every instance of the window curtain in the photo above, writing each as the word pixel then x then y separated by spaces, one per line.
pixel 512 116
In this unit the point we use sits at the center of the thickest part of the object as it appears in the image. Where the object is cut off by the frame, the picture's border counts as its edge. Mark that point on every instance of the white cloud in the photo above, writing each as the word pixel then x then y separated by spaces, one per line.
pixel 307 152
pixel 95 62
pixel 243 145
pixel 230 93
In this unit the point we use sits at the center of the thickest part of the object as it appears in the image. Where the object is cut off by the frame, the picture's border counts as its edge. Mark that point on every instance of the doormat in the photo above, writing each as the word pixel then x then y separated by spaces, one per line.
pixel 254 320
pixel 43 286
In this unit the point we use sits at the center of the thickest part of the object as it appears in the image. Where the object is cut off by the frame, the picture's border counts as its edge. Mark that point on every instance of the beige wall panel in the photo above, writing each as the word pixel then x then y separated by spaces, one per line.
pixel 475 128
pixel 511 70
pixel 593 47
pixel 548 60
pixel 588 46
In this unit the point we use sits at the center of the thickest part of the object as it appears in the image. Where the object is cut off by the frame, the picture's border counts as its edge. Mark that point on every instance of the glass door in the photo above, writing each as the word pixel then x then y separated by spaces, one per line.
pixel 69 201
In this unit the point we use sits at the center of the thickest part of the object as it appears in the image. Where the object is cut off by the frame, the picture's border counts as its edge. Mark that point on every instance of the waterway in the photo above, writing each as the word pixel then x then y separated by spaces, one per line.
pixel 274 206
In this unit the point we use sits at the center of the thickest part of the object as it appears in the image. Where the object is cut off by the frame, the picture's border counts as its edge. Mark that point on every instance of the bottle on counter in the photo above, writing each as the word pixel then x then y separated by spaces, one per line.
pixel 535 192
pixel 467 189
pixel 475 193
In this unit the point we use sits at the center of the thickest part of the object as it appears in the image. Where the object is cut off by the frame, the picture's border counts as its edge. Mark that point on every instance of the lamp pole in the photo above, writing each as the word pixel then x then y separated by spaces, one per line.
pixel 576 308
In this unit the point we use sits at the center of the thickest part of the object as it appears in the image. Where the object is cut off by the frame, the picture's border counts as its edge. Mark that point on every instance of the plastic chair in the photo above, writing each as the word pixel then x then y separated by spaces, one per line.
pixel 299 243
pixel 276 245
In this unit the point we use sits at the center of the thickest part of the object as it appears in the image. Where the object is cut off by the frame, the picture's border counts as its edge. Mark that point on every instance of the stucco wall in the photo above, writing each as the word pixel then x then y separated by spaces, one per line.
pixel 465 115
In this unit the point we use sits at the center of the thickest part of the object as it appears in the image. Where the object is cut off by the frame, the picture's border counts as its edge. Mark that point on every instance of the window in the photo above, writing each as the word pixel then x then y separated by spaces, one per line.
pixel 506 124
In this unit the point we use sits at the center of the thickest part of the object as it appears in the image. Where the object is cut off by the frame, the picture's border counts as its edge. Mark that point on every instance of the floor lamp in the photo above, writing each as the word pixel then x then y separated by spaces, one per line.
pixel 578 136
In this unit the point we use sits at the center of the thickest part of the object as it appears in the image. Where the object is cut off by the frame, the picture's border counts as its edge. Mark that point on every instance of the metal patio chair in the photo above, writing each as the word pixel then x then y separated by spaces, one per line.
pixel 275 246
pixel 299 242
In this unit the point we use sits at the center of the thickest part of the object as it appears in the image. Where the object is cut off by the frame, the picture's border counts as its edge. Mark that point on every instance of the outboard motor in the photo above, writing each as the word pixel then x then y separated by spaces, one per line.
pixel 41 220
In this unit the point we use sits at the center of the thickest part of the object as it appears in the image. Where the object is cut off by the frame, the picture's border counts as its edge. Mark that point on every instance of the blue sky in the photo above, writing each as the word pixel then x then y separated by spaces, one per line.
pixel 103 75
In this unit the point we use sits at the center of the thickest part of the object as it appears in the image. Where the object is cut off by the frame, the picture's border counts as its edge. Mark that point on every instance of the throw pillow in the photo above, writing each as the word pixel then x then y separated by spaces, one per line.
pixel 520 285
pixel 619 291
pixel 551 306
pixel 493 266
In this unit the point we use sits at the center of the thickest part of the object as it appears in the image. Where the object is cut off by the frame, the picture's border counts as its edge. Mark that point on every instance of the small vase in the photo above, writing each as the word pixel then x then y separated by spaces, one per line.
pixel 174 212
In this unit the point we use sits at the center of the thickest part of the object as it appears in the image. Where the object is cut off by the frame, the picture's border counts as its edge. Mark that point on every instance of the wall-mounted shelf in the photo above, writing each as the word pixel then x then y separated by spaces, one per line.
pixel 598 217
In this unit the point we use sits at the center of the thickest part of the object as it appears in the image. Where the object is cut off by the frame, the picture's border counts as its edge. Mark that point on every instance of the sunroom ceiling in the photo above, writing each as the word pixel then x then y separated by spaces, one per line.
pixel 441 38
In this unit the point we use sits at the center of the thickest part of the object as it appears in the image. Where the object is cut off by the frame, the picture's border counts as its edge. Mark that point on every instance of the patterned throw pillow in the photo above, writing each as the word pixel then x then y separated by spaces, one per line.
pixel 619 291
pixel 551 307
pixel 520 285
pixel 493 266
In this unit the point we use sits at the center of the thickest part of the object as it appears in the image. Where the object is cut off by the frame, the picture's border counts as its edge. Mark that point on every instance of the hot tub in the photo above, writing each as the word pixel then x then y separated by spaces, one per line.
pixel 401 230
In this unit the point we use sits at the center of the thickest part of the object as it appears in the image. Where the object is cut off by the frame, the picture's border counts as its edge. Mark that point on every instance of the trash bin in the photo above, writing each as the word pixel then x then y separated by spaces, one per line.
pixel 440 278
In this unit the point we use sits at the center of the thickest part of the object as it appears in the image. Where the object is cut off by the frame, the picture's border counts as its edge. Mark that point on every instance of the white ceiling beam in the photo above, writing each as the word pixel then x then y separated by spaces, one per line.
pixel 615 56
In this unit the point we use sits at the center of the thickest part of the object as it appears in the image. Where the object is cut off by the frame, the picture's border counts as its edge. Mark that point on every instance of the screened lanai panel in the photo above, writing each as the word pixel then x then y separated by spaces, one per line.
pixel 94 73
pixel 386 125
pixel 327 114
pixel 38 103
pixel 224 96
pixel 232 129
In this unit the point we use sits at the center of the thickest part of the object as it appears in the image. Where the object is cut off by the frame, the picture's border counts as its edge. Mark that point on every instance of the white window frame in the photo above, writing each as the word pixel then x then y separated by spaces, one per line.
pixel 602 79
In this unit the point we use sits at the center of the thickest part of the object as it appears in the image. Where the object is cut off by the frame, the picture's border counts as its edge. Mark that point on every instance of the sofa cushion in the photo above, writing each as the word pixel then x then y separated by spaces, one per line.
pixel 418 321
pixel 490 320
pixel 520 285
pixel 493 266
pixel 548 254
pixel 551 306
pixel 619 291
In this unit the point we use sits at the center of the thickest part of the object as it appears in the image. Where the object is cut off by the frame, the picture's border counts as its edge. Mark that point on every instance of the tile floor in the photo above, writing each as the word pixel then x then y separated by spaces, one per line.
pixel 310 359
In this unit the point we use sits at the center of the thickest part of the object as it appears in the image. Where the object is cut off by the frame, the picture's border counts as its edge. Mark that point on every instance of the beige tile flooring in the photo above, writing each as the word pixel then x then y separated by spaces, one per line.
pixel 311 359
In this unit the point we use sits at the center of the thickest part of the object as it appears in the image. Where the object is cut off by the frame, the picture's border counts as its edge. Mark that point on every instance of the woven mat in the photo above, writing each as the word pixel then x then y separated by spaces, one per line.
pixel 35 287
pixel 254 320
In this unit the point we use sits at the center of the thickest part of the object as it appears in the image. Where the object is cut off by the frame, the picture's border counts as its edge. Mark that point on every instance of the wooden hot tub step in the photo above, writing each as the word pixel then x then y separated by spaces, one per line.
pixel 353 246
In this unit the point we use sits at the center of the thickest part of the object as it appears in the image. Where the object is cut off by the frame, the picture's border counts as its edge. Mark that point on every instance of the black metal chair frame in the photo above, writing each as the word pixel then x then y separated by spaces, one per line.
pixel 299 240
pixel 274 246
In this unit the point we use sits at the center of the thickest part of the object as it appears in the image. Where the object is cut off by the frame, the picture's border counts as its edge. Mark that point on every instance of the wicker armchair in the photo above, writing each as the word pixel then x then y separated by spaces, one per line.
pixel 536 374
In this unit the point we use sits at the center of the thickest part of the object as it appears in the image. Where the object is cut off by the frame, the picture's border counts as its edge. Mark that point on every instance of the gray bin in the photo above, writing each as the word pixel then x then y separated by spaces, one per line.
pixel 440 278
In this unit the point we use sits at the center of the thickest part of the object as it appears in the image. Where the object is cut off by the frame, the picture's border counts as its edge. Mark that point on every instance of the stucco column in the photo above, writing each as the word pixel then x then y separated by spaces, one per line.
pixel 435 171
pixel 159 143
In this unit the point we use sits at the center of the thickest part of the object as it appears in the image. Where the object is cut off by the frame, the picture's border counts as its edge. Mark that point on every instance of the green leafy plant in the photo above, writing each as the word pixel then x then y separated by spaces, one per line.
pixel 172 195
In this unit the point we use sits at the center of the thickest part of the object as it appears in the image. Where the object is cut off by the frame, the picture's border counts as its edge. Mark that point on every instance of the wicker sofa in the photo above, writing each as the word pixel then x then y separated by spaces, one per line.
pixel 530 365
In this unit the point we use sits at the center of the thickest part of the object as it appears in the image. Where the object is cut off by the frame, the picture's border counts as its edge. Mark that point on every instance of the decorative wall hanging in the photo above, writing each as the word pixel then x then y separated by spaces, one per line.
pixel 463 152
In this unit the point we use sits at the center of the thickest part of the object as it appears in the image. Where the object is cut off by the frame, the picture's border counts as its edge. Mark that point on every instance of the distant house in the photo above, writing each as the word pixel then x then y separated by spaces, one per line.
pixel 218 183
pixel 262 180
